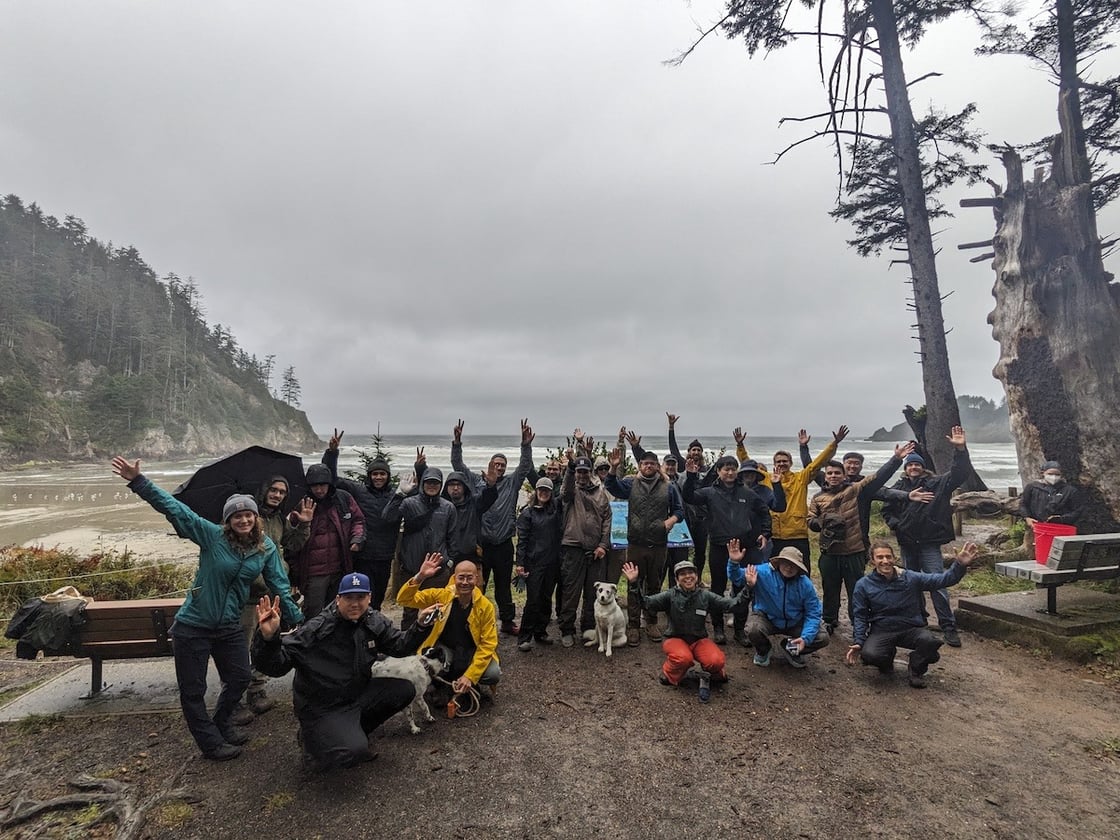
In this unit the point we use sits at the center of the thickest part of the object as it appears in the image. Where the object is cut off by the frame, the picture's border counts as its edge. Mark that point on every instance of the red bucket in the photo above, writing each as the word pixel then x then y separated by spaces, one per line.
pixel 1044 533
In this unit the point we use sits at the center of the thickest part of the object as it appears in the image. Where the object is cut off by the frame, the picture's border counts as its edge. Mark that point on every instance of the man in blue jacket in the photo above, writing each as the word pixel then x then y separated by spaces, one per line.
pixel 785 603
pixel 921 529
pixel 887 612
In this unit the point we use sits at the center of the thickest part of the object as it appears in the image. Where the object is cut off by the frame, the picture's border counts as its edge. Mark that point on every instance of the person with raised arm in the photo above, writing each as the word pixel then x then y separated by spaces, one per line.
pixel 208 625
pixel 496 535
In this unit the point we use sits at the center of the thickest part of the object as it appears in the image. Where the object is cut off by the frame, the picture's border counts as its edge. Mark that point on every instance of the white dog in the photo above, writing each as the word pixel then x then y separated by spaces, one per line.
pixel 418 670
pixel 610 621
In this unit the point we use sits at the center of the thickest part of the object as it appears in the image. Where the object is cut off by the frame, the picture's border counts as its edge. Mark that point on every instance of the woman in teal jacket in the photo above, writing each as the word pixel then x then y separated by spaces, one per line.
pixel 208 624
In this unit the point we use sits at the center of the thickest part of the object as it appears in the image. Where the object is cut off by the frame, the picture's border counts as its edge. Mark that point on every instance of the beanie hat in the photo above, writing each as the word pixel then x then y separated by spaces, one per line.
pixel 319 474
pixel 697 444
pixel 378 464
pixel 913 458
pixel 649 456
pixel 238 502
pixel 1049 465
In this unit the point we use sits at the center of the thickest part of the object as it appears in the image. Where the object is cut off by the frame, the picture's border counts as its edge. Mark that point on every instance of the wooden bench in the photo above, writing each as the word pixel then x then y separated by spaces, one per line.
pixel 1081 557
pixel 124 630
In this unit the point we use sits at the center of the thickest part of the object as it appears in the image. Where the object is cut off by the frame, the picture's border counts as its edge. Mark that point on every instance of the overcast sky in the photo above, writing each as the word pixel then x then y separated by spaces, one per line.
pixel 501 209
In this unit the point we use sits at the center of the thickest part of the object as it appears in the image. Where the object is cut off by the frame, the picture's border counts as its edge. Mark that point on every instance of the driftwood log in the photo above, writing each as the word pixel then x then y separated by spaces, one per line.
pixel 984 503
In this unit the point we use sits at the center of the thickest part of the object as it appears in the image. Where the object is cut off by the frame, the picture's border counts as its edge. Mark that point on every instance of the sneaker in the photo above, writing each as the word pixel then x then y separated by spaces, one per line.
pixel 705 687
pixel 234 735
pixel 509 628
pixel 543 640
pixel 762 660
pixel 952 637
pixel 917 680
pixel 793 659
pixel 525 645
pixel 567 640
pixel 653 633
pixel 633 636
pixel 223 752
pixel 259 703
pixel 242 715
pixel 719 637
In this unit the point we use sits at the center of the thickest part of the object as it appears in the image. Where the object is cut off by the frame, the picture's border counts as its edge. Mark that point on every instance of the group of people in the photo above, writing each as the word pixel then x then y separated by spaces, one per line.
pixel 339 547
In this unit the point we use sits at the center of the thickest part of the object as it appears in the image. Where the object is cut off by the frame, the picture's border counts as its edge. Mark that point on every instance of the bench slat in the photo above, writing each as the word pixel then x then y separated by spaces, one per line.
pixel 1030 570
pixel 1095 551
pixel 137 649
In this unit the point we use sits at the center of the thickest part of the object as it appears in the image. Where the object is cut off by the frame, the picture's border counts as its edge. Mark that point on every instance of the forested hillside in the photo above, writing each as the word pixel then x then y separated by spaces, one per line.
pixel 98 355
pixel 983 419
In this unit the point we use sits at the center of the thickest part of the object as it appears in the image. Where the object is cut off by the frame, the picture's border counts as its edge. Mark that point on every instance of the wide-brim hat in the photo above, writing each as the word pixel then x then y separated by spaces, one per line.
pixel 794 556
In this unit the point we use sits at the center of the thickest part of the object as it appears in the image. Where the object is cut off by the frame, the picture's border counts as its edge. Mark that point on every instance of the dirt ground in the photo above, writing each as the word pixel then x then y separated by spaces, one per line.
pixel 1002 744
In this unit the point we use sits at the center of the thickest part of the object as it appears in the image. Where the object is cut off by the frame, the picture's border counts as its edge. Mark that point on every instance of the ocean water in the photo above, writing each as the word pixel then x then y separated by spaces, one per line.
pixel 82 505
pixel 995 462
pixel 81 484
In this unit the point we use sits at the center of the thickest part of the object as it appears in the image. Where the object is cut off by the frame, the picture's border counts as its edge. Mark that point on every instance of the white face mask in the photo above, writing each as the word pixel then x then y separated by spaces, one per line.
pixel 1051 479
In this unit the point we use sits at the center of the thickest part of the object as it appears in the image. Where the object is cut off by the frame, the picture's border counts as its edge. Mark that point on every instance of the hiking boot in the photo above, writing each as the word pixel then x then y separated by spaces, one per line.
pixel 829 627
pixel 241 715
pixel 762 660
pixel 719 637
pixel 525 645
pixel 887 670
pixel 259 703
pixel 952 637
pixel 633 636
pixel 742 639
pixel 661 678
pixel 223 752
pixel 567 640
pixel 234 735
pixel 793 659
pixel 509 628
pixel 653 632
pixel 917 680
pixel 705 687
pixel 543 640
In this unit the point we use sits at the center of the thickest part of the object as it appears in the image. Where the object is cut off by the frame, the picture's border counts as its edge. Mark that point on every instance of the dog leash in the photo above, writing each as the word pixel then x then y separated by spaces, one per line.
pixel 456 708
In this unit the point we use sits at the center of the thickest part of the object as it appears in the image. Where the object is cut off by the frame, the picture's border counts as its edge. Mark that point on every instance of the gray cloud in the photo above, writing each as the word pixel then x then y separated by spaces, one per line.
pixel 497 210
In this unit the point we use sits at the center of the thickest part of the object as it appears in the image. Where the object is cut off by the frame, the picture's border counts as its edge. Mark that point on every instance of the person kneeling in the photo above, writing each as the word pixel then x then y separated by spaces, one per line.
pixel 336 701
pixel 686 635
pixel 887 612
pixel 785 603
pixel 466 623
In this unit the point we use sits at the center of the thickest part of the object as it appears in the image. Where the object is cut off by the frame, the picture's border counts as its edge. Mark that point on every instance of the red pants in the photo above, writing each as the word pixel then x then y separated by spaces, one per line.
pixel 679 656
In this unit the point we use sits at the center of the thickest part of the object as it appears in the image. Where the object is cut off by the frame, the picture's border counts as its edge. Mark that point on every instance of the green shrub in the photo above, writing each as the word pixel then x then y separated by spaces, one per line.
pixel 27 573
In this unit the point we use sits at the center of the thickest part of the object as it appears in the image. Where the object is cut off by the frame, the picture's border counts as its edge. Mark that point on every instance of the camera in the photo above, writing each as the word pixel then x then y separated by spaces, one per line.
pixel 791 646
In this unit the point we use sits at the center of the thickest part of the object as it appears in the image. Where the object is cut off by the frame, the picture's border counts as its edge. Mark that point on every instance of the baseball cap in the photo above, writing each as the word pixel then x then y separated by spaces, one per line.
pixel 353 582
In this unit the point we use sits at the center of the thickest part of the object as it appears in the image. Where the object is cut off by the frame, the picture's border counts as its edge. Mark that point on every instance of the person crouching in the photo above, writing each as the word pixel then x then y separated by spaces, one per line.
pixel 686 637
pixel 337 702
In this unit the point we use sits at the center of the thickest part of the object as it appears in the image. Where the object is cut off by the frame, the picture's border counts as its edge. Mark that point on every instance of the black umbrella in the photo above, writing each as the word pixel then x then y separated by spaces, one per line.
pixel 246 471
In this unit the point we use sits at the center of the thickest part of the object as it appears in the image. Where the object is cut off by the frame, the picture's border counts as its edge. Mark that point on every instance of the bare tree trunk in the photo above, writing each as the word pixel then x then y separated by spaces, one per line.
pixel 937 381
pixel 1057 315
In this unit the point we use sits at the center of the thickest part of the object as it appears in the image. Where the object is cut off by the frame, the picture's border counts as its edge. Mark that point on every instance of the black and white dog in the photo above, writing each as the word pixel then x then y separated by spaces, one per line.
pixel 418 670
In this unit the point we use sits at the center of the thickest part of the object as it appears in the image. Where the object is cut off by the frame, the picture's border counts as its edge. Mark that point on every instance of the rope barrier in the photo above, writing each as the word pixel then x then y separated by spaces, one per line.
pixel 92 574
